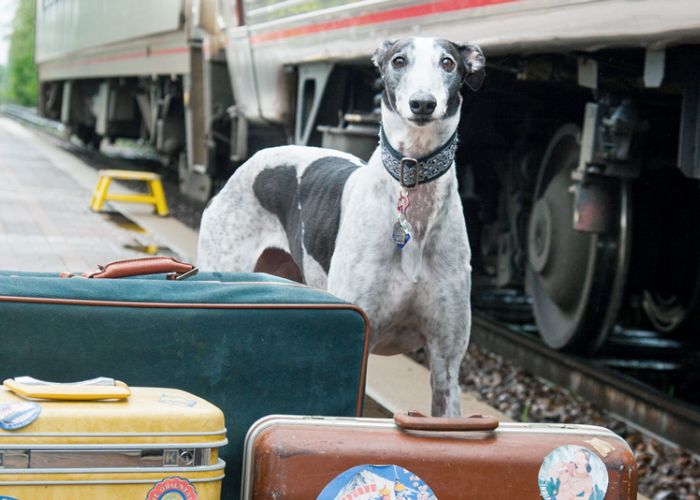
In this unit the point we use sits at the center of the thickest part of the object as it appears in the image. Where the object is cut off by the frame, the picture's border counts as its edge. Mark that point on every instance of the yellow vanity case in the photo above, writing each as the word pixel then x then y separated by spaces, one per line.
pixel 153 444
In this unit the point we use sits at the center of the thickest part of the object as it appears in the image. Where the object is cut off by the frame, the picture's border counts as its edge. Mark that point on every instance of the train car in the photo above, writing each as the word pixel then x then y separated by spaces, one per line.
pixel 579 160
pixel 141 69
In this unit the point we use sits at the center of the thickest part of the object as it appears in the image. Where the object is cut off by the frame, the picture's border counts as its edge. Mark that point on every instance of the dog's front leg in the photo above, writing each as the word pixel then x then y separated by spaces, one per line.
pixel 444 379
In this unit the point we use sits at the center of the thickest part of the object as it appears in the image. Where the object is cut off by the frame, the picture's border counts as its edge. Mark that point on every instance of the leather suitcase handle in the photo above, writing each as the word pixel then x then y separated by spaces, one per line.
pixel 140 267
pixel 414 420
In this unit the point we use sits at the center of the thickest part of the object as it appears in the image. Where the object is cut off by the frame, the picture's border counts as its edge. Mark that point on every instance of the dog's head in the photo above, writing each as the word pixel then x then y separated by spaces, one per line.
pixel 422 77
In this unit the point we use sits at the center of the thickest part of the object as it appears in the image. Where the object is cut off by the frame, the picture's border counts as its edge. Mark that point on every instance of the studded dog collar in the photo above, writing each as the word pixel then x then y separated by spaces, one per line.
pixel 411 171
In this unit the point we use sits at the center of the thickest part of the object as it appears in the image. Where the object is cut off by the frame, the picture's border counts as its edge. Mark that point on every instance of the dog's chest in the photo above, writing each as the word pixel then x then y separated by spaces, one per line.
pixel 399 320
pixel 423 206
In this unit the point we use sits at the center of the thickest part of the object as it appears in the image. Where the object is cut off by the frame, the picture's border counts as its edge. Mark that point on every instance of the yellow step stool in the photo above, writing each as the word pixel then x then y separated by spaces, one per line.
pixel 155 195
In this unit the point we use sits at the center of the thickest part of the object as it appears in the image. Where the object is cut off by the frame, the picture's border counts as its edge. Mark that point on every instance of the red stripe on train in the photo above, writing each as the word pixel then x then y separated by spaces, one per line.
pixel 377 17
pixel 141 54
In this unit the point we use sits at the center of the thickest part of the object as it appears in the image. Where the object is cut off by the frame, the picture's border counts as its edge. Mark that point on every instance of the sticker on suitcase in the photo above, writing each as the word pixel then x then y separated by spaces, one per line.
pixel 173 488
pixel 17 415
pixel 176 400
pixel 572 472
pixel 377 482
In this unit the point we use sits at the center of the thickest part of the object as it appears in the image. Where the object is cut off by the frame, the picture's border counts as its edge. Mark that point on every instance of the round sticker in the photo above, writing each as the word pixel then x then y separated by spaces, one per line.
pixel 573 472
pixel 17 415
pixel 173 488
pixel 377 482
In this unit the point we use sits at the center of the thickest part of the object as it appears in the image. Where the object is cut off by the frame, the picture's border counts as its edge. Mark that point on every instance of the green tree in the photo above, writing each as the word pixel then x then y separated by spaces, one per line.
pixel 3 86
pixel 21 78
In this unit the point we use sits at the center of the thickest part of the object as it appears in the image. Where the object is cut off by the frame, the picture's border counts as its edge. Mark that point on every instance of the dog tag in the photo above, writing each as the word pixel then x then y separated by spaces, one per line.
pixel 402 233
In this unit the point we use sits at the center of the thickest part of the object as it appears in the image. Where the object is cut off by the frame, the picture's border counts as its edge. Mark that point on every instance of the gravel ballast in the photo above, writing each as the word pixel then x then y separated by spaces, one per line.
pixel 665 472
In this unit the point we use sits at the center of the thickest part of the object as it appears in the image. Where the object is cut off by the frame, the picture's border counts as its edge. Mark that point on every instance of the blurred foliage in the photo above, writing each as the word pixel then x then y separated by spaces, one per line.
pixel 18 81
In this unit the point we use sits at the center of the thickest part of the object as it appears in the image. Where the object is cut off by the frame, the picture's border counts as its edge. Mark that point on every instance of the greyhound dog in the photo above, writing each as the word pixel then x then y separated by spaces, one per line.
pixel 388 235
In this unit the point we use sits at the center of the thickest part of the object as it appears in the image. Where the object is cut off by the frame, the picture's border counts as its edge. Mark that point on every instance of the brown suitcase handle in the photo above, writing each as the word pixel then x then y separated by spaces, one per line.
pixel 416 421
pixel 139 267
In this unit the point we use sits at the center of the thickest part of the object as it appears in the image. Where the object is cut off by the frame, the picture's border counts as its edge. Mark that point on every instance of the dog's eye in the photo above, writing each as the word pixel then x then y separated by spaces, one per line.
pixel 447 64
pixel 398 62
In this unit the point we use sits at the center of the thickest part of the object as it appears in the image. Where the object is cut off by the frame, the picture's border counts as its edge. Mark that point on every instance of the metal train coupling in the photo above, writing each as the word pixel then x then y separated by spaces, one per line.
pixel 607 140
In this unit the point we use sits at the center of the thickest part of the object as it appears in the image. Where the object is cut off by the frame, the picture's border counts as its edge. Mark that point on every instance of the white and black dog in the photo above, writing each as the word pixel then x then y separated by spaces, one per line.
pixel 388 235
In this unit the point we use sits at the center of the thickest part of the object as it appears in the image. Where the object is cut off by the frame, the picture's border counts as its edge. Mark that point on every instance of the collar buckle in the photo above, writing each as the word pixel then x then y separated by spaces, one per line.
pixel 409 163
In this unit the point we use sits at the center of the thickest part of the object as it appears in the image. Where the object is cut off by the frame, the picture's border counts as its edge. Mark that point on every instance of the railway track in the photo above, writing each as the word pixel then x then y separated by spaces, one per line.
pixel 637 403
pixel 28 116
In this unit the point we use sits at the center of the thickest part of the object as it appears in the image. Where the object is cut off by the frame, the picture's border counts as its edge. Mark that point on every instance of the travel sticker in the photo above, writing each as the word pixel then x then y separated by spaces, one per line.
pixel 176 400
pixel 377 482
pixel 17 415
pixel 173 488
pixel 572 473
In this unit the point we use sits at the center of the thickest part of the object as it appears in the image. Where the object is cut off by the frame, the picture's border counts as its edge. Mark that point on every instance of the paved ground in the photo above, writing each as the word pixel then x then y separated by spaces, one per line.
pixel 45 222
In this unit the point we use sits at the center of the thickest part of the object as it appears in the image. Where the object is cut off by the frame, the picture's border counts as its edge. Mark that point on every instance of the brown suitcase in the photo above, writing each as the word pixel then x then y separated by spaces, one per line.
pixel 422 458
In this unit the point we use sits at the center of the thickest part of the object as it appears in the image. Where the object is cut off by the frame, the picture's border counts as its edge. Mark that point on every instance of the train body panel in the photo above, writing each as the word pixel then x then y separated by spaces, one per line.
pixel 277 35
pixel 79 39
pixel 164 54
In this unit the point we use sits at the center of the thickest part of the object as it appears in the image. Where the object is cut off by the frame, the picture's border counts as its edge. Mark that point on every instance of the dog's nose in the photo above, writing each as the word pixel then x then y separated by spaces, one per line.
pixel 422 103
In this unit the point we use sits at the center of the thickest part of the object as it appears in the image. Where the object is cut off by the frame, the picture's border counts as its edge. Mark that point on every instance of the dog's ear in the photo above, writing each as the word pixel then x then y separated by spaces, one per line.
pixel 380 54
pixel 474 63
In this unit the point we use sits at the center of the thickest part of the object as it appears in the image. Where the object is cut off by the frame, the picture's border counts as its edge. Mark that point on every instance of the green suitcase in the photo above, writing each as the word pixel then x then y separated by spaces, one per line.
pixel 252 344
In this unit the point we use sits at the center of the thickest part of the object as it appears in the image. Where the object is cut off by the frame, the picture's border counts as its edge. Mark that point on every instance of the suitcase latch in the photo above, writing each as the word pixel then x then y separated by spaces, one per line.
pixel 183 276
pixel 14 459
pixel 62 458
pixel 183 458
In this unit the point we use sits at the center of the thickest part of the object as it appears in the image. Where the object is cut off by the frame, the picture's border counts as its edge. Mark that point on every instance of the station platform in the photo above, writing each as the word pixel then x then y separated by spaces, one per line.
pixel 45 220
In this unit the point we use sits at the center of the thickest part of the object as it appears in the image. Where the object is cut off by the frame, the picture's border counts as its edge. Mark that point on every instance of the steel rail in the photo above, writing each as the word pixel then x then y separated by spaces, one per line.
pixel 639 404
pixel 23 114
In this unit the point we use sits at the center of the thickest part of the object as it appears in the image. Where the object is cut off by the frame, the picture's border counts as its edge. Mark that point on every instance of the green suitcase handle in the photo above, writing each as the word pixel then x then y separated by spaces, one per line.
pixel 140 267
pixel 416 421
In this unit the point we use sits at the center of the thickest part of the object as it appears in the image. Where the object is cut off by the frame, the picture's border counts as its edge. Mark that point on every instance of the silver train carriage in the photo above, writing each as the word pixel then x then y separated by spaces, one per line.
pixel 579 159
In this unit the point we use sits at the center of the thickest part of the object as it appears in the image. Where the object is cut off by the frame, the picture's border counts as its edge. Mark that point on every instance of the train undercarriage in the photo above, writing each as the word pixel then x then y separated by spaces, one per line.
pixel 584 191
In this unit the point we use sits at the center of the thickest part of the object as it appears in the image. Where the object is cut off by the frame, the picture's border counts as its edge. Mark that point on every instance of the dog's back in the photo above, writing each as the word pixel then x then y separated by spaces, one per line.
pixel 282 205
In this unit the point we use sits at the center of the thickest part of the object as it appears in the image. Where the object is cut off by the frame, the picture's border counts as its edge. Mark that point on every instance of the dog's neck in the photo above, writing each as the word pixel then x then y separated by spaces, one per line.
pixel 426 199
pixel 413 141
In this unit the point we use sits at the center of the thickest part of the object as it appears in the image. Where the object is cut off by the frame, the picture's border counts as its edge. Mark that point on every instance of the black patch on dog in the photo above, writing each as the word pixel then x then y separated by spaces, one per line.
pixel 453 80
pixel 276 189
pixel 474 62
pixel 320 192
pixel 390 75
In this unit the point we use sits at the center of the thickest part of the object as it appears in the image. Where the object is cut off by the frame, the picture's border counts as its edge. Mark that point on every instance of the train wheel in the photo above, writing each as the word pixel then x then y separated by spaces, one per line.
pixel 576 279
pixel 670 234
